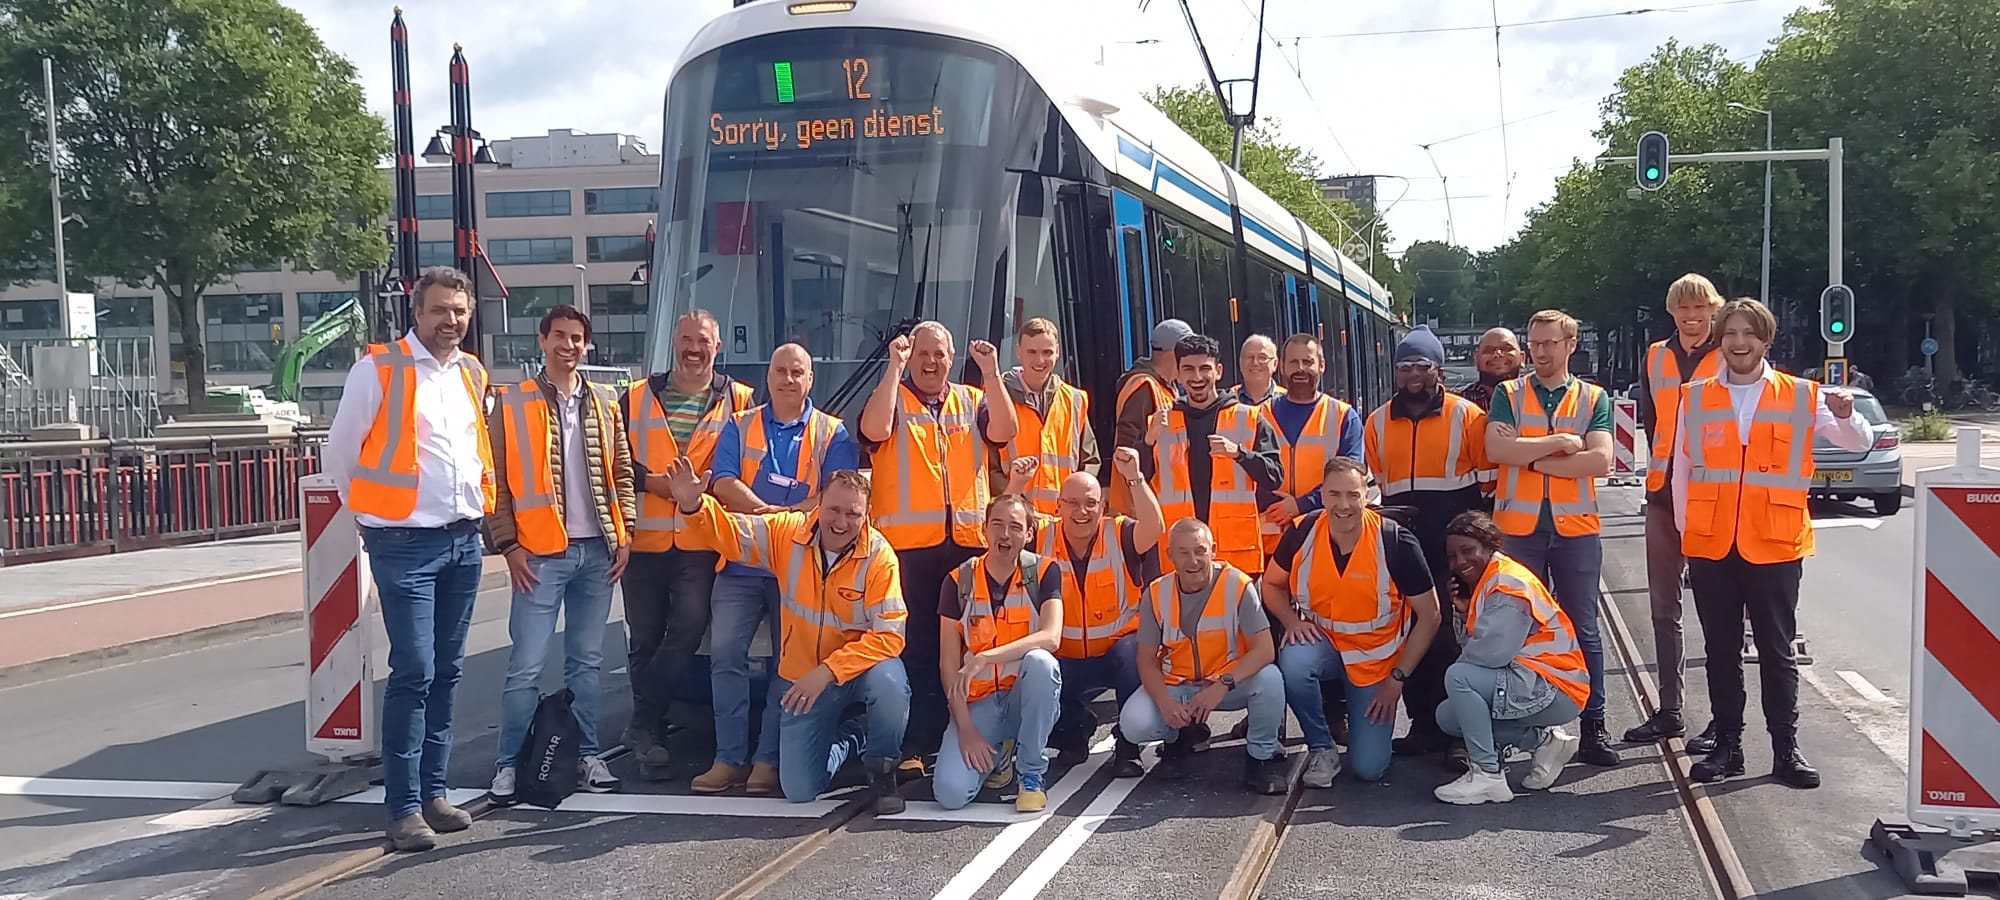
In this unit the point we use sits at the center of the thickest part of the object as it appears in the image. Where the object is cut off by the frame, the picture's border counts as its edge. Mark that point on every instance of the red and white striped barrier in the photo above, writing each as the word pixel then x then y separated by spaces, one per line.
pixel 1625 441
pixel 340 701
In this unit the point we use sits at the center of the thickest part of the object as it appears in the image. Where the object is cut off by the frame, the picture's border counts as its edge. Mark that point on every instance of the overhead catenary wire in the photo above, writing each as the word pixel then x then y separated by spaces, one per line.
pixel 1446 29
pixel 1500 88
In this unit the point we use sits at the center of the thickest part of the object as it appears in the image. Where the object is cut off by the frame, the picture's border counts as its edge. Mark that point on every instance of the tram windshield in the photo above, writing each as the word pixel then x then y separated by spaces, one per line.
pixel 822 186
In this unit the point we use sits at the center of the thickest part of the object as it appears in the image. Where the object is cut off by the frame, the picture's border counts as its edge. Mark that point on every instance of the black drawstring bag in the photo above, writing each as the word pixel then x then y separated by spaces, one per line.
pixel 546 773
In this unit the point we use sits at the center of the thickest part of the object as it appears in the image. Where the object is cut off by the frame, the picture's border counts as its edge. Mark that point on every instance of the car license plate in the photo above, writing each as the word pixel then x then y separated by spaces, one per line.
pixel 1833 475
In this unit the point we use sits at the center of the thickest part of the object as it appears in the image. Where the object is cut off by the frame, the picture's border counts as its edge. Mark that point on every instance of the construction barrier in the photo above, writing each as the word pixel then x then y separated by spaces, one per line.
pixel 1625 440
pixel 1954 774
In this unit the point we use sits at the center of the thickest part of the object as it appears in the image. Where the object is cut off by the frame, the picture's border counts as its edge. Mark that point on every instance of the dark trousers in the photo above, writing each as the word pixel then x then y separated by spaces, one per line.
pixel 1664 564
pixel 924 574
pixel 666 615
pixel 1426 514
pixel 1723 590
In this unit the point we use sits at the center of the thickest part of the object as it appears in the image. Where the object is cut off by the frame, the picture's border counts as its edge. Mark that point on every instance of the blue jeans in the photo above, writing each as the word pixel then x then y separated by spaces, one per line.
pixel 1467 712
pixel 578 585
pixel 1116 668
pixel 814 745
pixel 427 580
pixel 1263 694
pixel 1025 713
pixel 741 602
pixel 1308 669
pixel 1570 567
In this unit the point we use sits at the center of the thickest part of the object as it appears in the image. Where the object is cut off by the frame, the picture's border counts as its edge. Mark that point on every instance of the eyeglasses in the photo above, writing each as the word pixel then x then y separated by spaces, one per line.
pixel 1551 345
pixel 1416 365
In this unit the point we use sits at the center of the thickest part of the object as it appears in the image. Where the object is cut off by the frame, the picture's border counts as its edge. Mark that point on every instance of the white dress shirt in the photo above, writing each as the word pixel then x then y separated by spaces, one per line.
pixel 449 467
pixel 1850 433
pixel 579 504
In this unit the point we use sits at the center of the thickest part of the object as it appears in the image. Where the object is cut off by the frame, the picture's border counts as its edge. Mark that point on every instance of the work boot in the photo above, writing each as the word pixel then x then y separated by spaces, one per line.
pixel 1725 761
pixel 1418 743
pixel 1199 736
pixel 911 769
pixel 1124 757
pixel 1003 767
pixel 882 780
pixel 639 738
pixel 445 818
pixel 763 781
pixel 1071 737
pixel 1267 776
pixel 1704 743
pixel 1791 767
pixel 1664 724
pixel 410 834
pixel 720 777
pixel 1596 748
pixel 1030 797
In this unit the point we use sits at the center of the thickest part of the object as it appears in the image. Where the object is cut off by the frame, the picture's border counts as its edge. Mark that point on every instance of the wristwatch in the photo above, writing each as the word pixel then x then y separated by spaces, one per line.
pixel 1397 674
pixel 1228 681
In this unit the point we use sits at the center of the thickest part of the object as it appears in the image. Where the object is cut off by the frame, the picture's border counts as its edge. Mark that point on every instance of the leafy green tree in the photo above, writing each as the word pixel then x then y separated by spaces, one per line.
pixel 1441 278
pixel 198 135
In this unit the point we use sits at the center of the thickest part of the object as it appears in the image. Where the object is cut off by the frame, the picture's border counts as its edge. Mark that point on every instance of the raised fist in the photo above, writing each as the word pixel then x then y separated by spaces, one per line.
pixel 899 351
pixel 1125 461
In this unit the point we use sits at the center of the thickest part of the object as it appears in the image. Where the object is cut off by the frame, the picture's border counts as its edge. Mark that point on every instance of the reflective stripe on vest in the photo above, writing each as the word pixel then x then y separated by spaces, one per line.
pixel 654 447
pixel 1572 501
pixel 1360 609
pixel 930 482
pixel 1121 501
pixel 384 478
pixel 1752 497
pixel 539 514
pixel 754 445
pixel 1102 604
pixel 1217 641
pixel 1551 649
pixel 1232 497
pixel 982 629
pixel 1663 373
pixel 1056 438
pixel 1412 456
pixel 822 608
pixel 1319 441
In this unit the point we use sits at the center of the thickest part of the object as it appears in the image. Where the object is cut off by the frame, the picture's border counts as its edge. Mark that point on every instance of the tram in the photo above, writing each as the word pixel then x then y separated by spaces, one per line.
pixel 835 171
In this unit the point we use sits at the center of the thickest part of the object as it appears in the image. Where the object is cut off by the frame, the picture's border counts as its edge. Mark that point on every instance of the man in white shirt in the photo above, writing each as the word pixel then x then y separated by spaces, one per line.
pixel 408 449
pixel 1742 470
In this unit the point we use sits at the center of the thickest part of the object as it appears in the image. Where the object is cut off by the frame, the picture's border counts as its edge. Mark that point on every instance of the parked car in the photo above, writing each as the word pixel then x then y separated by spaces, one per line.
pixel 1876 473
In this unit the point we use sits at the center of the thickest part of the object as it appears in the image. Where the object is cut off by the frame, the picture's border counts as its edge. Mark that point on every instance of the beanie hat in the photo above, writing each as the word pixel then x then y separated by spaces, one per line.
pixel 1421 342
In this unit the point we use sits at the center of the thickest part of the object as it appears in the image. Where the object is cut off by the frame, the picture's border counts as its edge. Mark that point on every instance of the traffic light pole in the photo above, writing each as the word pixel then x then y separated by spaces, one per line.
pixel 1835 185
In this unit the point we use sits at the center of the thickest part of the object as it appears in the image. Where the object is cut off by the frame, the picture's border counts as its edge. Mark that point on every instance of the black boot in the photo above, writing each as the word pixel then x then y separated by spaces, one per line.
pixel 882 781
pixel 1725 761
pixel 1791 766
pixel 1071 736
pixel 1124 757
pixel 1596 748
pixel 1267 776
pixel 1664 724
pixel 1704 743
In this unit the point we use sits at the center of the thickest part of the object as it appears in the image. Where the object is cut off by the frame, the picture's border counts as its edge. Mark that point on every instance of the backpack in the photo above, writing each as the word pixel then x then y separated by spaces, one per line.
pixel 1031 565
pixel 547 769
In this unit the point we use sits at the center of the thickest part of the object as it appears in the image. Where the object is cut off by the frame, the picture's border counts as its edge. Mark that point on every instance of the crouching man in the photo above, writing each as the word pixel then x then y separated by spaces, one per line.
pixel 841 628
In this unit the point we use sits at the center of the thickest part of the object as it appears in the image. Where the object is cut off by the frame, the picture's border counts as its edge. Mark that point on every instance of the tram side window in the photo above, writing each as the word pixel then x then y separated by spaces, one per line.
pixel 1258 310
pixel 1333 319
pixel 1135 290
pixel 1037 289
pixel 1195 279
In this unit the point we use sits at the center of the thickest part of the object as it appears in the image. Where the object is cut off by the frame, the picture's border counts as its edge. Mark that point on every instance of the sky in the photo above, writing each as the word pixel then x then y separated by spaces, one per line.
pixel 1363 104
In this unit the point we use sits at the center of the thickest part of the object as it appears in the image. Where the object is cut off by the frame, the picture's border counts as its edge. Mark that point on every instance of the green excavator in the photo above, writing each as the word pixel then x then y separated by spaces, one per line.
pixel 346 320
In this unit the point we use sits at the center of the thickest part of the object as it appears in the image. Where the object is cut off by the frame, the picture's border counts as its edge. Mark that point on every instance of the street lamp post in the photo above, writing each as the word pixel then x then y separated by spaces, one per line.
pixel 1764 280
pixel 582 290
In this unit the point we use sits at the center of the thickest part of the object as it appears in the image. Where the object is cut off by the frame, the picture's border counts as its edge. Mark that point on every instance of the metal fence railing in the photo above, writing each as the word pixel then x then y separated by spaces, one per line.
pixel 121 399
pixel 61 499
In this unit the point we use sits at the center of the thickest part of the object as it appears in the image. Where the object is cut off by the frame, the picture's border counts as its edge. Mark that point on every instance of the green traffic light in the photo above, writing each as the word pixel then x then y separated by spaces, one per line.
pixel 1652 173
pixel 1838 327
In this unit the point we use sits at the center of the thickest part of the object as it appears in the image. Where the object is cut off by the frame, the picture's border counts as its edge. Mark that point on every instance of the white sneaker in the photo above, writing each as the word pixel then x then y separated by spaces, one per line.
pixel 597 777
pixel 1476 787
pixel 503 786
pixel 1322 766
pixel 1556 749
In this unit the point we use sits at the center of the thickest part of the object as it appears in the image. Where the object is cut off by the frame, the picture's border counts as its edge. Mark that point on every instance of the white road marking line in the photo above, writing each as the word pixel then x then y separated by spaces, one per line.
pixel 1870 524
pixel 682 805
pixel 1865 688
pixel 618 671
pixel 1004 845
pixel 223 811
pixel 202 791
pixel 171 589
pixel 1887 727
pixel 1059 851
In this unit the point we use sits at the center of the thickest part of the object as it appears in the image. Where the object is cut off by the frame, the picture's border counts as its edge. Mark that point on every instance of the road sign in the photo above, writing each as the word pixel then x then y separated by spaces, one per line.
pixel 1836 314
pixel 1929 346
pixel 1835 371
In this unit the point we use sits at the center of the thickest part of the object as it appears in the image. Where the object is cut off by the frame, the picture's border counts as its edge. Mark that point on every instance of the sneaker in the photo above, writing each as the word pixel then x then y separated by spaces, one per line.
pixel 1476 787
pixel 1031 797
pixel 597 777
pixel 1003 767
pixel 1321 767
pixel 1554 752
pixel 763 781
pixel 1267 776
pixel 503 787
pixel 720 777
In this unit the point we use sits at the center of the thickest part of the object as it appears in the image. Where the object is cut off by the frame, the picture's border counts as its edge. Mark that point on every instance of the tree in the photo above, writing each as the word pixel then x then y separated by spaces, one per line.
pixel 198 136
pixel 1441 281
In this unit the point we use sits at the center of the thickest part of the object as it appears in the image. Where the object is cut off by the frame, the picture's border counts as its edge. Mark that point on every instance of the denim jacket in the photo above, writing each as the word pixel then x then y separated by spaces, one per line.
pixel 1504 625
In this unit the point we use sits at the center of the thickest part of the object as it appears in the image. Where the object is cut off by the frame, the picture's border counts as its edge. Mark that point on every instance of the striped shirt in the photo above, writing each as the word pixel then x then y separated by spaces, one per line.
pixel 683 412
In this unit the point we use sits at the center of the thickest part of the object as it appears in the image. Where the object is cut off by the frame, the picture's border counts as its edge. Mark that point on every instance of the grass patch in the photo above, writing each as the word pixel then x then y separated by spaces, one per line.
pixel 1927 426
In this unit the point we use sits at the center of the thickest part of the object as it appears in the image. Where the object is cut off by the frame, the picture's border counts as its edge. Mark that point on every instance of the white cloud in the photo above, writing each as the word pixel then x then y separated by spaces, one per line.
pixel 603 65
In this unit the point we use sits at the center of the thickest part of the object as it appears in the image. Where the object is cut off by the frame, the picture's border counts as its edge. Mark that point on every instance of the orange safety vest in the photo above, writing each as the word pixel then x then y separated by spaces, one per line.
pixel 1572 501
pixel 1100 605
pixel 753 445
pixel 1358 608
pixel 982 627
pixel 1056 439
pixel 384 481
pixel 653 446
pixel 1663 373
pixel 1305 462
pixel 1551 649
pixel 1445 452
pixel 531 480
pixel 1750 497
pixel 1217 641
pixel 930 480
pixel 1121 500
pixel 1233 515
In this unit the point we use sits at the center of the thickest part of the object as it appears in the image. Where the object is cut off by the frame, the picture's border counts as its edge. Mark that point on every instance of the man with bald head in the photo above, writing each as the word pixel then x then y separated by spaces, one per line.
pixel 1498 359
pixel 928 440
pixel 770 458
pixel 1105 560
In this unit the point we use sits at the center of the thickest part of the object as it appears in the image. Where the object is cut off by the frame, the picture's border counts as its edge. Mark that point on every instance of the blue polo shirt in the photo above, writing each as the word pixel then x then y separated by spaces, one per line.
pixel 777 482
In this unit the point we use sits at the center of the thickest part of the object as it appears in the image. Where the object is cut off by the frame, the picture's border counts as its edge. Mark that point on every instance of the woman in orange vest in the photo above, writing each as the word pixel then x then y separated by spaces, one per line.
pixel 1520 672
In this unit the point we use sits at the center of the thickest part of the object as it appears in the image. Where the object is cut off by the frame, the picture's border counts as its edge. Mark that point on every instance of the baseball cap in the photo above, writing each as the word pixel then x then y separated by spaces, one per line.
pixel 1169 333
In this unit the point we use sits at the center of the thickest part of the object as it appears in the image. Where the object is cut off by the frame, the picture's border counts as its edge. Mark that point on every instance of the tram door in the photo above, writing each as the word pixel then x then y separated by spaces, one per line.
pixel 1134 282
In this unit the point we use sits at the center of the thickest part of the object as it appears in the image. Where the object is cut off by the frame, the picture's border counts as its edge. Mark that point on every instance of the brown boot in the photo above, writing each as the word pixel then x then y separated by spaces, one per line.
pixel 445 818
pixel 763 781
pixel 720 777
pixel 409 833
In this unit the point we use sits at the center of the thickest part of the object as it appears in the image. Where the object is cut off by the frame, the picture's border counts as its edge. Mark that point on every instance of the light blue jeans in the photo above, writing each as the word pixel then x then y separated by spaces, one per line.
pixel 576 583
pixel 1309 670
pixel 815 744
pixel 739 604
pixel 1263 694
pixel 427 579
pixel 1025 713
pixel 1467 712
pixel 1570 567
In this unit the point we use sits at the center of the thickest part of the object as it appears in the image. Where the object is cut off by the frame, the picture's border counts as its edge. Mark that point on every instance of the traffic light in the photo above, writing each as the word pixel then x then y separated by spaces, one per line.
pixel 1836 314
pixel 1652 161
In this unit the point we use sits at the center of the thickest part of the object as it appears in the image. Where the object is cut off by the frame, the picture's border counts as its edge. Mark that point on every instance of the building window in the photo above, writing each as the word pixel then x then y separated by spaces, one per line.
pixel 531 302
pixel 613 201
pixel 617 300
pixel 615 248
pixel 516 349
pixel 434 206
pixel 521 204
pixel 618 349
pixel 257 267
pixel 125 312
pixel 30 315
pixel 434 253
pixel 531 251
pixel 243 332
pixel 342 352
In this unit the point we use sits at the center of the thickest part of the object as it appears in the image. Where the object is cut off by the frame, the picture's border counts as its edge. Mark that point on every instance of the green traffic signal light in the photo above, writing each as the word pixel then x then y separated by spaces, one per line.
pixel 1838 327
pixel 1652 173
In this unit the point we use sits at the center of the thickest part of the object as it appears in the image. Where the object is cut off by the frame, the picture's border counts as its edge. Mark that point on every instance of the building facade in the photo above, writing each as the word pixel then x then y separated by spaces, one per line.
pixel 563 217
